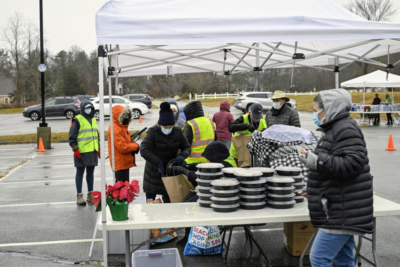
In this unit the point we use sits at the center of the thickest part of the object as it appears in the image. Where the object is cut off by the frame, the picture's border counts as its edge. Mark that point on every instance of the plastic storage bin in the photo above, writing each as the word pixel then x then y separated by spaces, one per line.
pixel 168 257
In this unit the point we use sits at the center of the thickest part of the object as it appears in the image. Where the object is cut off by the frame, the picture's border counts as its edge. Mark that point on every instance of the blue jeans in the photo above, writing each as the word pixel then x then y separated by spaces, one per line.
pixel 89 178
pixel 331 248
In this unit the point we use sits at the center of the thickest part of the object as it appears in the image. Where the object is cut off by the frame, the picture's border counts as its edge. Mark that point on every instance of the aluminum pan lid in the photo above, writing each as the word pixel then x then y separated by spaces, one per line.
pixel 225 198
pixel 225 206
pixel 261 181
pixel 280 180
pixel 252 189
pixel 224 191
pixel 209 174
pixel 248 173
pixel 209 165
pixel 225 182
pixel 281 188
pixel 253 203
pixel 281 202
pixel 281 196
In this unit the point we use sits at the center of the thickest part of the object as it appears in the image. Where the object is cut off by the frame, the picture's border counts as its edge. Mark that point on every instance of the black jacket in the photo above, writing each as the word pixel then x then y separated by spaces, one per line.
pixel 87 159
pixel 238 125
pixel 342 177
pixel 285 116
pixel 376 101
pixel 159 148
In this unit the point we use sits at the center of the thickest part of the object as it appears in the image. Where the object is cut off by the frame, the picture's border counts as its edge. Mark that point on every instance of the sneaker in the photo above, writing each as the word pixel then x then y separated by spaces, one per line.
pixel 80 200
pixel 89 197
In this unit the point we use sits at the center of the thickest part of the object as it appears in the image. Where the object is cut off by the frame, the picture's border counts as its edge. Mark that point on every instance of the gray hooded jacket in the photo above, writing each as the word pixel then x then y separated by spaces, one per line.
pixel 179 122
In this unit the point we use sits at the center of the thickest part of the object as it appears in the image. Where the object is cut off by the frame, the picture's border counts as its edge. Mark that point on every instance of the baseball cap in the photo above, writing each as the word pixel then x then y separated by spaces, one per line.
pixel 256 111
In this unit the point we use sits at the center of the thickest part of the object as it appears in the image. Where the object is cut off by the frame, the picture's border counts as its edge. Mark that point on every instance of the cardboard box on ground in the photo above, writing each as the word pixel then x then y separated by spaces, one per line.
pixel 296 236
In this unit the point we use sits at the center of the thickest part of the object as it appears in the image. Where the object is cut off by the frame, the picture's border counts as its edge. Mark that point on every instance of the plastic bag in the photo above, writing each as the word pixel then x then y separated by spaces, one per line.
pixel 157 232
pixel 204 240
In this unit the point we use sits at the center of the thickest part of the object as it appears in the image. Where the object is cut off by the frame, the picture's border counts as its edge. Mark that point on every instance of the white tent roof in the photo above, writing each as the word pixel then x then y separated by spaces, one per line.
pixel 374 79
pixel 190 35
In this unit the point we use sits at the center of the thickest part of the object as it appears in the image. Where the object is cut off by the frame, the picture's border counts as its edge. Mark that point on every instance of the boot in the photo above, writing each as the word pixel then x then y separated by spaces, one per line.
pixel 80 200
pixel 89 197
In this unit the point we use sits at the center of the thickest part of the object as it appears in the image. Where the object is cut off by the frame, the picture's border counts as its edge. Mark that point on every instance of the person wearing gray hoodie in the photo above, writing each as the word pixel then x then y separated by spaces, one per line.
pixel 339 186
pixel 179 122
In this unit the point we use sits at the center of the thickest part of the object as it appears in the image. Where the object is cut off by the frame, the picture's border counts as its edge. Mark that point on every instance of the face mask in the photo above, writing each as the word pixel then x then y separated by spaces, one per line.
pixel 276 105
pixel 255 120
pixel 88 111
pixel 166 131
pixel 316 120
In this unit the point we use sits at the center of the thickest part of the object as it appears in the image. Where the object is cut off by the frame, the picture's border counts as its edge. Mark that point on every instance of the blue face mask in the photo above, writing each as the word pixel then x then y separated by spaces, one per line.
pixel 316 120
pixel 88 111
pixel 166 131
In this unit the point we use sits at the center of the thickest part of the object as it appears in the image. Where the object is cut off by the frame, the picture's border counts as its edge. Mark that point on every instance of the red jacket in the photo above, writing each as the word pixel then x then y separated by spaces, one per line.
pixel 222 119
pixel 122 142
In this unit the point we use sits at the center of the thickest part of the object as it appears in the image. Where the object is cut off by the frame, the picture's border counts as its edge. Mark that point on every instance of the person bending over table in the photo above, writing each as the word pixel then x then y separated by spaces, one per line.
pixel 339 187
pixel 162 144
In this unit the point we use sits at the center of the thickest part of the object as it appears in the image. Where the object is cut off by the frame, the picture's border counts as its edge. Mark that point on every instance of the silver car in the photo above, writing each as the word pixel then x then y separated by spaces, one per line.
pixel 244 100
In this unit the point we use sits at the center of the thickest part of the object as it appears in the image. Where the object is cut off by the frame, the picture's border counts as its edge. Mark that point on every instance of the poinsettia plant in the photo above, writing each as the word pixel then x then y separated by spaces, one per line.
pixel 120 191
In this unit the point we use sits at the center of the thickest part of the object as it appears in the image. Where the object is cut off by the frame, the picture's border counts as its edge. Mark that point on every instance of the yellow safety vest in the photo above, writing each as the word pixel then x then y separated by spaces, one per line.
pixel 231 161
pixel 261 126
pixel 203 130
pixel 88 137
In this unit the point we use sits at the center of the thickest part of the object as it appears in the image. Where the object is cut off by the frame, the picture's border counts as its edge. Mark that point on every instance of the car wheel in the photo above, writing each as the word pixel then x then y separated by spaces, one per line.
pixel 69 114
pixel 97 114
pixel 34 116
pixel 136 114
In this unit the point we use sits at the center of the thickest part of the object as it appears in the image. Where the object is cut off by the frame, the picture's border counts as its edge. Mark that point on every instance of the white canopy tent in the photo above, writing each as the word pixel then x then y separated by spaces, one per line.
pixel 375 79
pixel 143 37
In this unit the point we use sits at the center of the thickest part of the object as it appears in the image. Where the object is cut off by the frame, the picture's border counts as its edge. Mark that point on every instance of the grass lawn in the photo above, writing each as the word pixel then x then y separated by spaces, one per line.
pixel 11 110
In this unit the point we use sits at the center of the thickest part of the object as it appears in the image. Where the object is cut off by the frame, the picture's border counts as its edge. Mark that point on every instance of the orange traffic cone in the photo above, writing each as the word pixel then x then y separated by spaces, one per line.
pixel 41 147
pixel 140 119
pixel 390 145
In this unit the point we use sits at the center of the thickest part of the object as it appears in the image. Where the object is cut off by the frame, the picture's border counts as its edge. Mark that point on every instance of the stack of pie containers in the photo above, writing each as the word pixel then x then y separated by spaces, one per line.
pixel 206 174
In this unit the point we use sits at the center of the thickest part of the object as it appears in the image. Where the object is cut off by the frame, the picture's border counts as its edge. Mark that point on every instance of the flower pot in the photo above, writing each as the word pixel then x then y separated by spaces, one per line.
pixel 118 209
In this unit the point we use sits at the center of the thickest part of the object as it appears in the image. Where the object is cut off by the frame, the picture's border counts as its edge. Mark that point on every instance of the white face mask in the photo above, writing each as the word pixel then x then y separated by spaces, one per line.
pixel 276 105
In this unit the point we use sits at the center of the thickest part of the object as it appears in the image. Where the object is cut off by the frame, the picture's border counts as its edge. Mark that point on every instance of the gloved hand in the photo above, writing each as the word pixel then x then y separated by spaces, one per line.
pixel 180 170
pixel 77 154
pixel 99 153
pixel 251 128
pixel 161 169
pixel 179 160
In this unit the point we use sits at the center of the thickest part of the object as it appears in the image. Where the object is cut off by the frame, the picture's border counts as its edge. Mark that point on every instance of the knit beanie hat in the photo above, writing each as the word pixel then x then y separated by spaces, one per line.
pixel 166 115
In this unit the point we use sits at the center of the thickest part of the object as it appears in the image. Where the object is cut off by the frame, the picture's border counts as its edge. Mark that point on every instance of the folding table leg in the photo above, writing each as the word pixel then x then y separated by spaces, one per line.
pixel 127 249
pixel 374 245
pixel 308 246
pixel 255 242
pixel 357 259
pixel 229 243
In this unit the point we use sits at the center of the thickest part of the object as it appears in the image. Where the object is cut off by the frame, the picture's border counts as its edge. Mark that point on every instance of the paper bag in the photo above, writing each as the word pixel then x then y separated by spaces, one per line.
pixel 240 142
pixel 178 187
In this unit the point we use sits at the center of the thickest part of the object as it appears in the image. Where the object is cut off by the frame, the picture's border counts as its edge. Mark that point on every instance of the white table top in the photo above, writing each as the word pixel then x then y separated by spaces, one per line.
pixel 143 216
pixel 373 112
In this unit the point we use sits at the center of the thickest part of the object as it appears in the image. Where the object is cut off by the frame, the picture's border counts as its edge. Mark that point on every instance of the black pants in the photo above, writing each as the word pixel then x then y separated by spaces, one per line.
pixel 165 198
pixel 122 175
pixel 389 118
pixel 377 119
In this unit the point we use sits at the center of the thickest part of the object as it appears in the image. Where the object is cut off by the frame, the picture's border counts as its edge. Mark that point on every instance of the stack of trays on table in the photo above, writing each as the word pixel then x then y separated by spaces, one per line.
pixel 281 188
pixel 206 173
pixel 252 189
pixel 267 172
pixel 225 195
pixel 299 183
pixel 230 172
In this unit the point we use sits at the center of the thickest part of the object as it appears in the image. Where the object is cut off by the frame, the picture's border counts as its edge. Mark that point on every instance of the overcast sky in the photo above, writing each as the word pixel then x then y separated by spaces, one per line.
pixel 71 22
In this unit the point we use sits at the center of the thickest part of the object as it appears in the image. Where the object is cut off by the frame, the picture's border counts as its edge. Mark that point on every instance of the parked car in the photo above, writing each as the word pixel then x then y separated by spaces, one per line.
pixel 144 98
pixel 136 107
pixel 244 100
pixel 57 106
pixel 84 97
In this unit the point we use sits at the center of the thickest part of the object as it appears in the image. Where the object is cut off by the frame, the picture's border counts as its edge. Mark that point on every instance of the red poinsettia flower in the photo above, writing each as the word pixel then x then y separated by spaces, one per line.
pixel 129 190
pixel 97 200
pixel 116 189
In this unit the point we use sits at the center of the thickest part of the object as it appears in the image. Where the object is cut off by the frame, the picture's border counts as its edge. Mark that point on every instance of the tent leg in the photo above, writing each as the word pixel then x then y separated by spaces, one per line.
pixel 112 128
pixel 337 73
pixel 103 152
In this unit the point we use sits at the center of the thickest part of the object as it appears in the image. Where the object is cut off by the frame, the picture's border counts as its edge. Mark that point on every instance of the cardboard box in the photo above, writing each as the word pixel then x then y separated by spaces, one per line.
pixel 296 237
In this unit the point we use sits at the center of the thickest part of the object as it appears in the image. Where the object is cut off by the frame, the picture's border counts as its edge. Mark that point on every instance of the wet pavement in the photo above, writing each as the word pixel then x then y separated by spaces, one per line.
pixel 42 226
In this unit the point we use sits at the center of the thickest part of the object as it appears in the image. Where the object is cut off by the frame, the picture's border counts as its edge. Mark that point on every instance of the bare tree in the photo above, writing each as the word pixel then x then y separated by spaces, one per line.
pixel 375 10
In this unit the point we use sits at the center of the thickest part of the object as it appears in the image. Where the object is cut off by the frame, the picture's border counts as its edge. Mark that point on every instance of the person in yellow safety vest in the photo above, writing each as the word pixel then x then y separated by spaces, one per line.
pixel 247 124
pixel 199 131
pixel 389 101
pixel 84 141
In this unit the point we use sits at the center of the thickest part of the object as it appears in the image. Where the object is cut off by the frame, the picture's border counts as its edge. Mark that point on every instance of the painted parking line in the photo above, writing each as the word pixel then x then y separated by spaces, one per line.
pixel 49 242
pixel 37 204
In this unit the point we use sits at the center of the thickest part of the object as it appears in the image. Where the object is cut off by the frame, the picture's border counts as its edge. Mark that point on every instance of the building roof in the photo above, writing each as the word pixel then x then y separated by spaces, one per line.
pixel 7 86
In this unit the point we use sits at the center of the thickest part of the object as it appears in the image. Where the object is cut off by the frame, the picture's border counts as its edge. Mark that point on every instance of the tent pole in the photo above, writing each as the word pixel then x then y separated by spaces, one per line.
pixel 258 65
pixel 337 73
pixel 101 54
pixel 111 128
pixel 364 96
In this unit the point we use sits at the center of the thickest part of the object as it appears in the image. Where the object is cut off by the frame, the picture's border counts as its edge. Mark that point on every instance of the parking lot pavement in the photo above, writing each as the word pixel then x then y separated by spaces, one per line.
pixel 42 226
